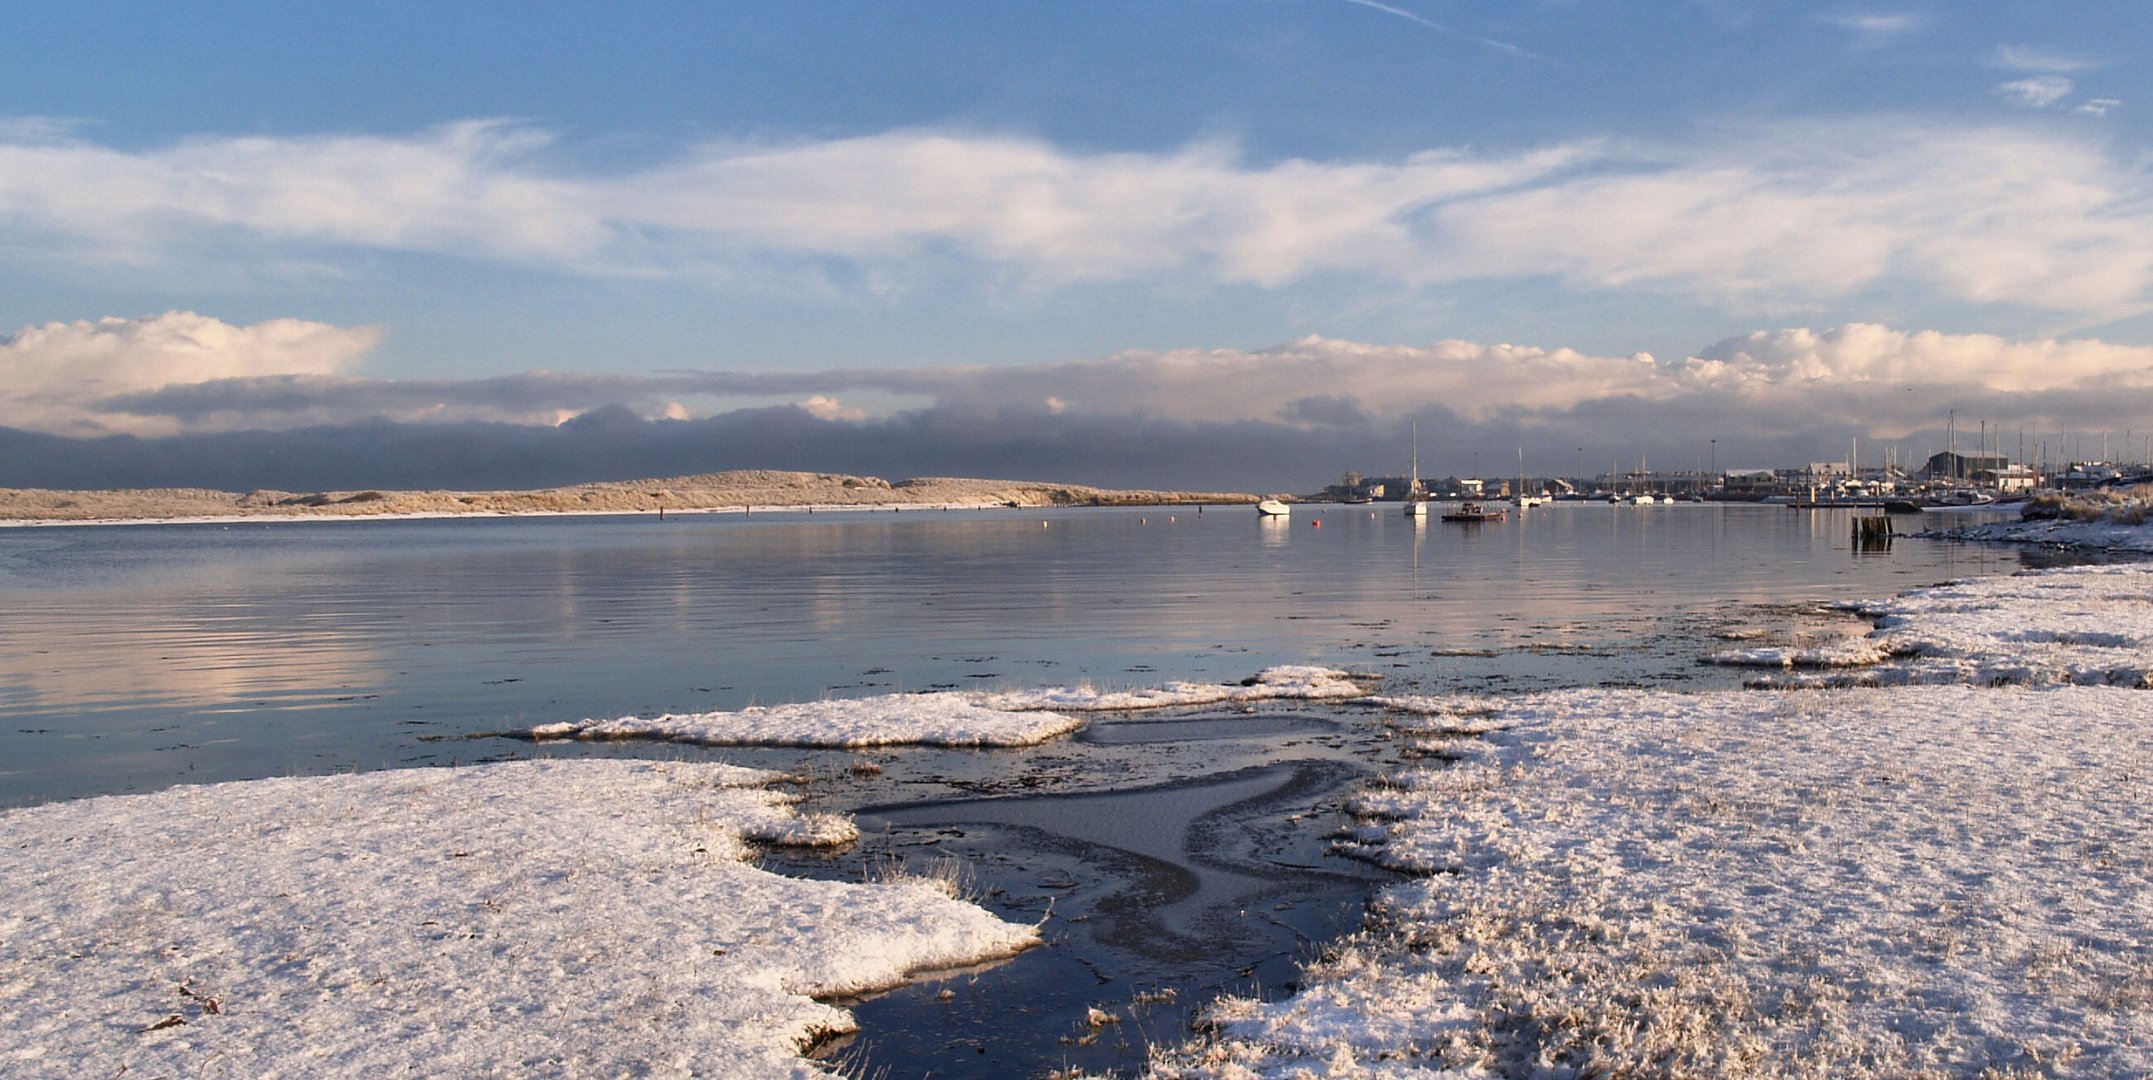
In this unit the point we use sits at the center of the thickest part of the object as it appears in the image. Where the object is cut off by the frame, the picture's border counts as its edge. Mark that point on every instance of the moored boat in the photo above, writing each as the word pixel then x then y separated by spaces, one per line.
pixel 1273 508
pixel 1474 512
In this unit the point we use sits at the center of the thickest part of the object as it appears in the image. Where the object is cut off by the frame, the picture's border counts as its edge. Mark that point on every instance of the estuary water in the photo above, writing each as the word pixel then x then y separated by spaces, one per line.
pixel 1172 856
pixel 136 657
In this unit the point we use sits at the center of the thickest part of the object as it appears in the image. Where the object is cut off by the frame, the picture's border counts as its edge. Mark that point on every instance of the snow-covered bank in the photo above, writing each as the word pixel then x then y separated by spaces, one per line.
pixel 2102 519
pixel 939 719
pixel 1009 718
pixel 589 918
pixel 1285 682
pixel 2096 535
pixel 1920 881
pixel 1951 875
pixel 2088 626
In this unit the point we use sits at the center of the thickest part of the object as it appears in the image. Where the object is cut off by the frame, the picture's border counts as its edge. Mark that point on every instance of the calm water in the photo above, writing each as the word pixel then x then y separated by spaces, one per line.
pixel 132 658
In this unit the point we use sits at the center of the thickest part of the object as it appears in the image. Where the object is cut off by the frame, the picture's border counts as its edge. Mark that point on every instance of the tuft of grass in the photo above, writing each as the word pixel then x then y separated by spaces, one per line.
pixel 948 875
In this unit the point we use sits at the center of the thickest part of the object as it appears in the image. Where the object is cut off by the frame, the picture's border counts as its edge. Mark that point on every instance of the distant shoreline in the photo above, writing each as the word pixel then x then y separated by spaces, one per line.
pixel 743 492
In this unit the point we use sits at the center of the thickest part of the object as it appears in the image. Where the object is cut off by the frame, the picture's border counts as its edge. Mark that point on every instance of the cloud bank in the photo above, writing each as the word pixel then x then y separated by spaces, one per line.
pixel 1790 212
pixel 1288 417
pixel 59 377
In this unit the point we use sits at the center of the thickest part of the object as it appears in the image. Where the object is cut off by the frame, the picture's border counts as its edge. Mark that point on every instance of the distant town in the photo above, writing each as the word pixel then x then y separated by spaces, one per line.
pixel 1947 478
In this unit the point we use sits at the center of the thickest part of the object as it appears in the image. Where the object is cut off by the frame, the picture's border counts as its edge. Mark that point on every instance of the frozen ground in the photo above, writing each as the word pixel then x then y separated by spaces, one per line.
pixel 2102 522
pixel 1947 880
pixel 938 719
pixel 1012 718
pixel 2084 626
pixel 1299 682
pixel 584 918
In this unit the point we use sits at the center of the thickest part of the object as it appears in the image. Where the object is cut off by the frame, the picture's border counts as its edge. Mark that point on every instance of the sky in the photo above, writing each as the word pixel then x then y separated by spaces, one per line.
pixel 1235 244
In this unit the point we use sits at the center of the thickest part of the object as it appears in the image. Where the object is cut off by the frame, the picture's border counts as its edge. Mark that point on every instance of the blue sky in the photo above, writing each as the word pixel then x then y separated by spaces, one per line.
pixel 1359 202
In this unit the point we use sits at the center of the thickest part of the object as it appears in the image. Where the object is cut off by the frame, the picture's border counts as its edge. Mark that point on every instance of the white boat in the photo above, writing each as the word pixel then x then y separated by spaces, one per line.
pixel 1416 500
pixel 1521 499
pixel 1273 508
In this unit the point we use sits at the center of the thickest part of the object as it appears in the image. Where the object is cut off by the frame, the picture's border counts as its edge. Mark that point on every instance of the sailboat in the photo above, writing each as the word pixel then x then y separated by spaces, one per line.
pixel 1519 497
pixel 1416 503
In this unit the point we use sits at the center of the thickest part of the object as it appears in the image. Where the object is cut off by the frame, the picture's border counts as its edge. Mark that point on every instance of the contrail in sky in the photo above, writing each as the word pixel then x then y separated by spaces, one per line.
pixel 1440 28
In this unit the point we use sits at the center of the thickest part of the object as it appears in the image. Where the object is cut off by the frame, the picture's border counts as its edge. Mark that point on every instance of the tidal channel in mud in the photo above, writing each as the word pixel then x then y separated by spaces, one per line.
pixel 1169 858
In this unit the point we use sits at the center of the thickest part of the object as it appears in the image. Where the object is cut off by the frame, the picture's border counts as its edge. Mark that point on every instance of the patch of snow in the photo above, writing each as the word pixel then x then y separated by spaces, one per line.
pixel 2084 625
pixel 941 719
pixel 2087 626
pixel 1290 681
pixel 2090 535
pixel 1841 653
pixel 588 918
pixel 1923 881
pixel 1007 718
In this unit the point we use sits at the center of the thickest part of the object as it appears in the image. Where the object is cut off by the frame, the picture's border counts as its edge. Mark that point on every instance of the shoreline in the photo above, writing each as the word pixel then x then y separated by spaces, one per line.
pixel 741 492
pixel 446 515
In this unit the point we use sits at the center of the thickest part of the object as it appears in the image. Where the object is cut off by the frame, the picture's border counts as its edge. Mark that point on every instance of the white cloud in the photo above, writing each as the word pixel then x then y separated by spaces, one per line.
pixel 37 128
pixel 1865 353
pixel 1790 212
pixel 54 377
pixel 823 407
pixel 2039 91
pixel 1799 389
pixel 1875 29
pixel 1805 212
pixel 2099 106
pixel 1315 380
pixel 466 188
pixel 2027 58
pixel 1765 383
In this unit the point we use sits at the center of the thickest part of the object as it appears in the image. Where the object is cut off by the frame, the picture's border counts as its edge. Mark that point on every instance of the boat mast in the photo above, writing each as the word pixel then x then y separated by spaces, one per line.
pixel 1412 491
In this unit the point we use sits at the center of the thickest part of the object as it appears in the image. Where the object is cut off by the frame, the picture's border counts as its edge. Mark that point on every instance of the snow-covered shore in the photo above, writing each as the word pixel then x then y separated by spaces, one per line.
pixel 2104 519
pixel 563 918
pixel 1006 718
pixel 1919 880
pixel 2097 535
pixel 2091 626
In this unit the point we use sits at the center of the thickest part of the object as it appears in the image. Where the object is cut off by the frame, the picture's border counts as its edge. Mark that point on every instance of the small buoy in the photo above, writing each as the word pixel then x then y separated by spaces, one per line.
pixel 1170 519
pixel 1042 524
pixel 1316 524
pixel 1143 521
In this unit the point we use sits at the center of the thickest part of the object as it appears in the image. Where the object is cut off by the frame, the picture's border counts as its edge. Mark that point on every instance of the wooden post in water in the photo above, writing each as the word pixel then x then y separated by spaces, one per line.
pixel 1872 533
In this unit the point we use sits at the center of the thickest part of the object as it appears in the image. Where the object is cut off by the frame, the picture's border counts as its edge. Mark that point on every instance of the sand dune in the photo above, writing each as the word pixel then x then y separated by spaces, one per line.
pixel 710 491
